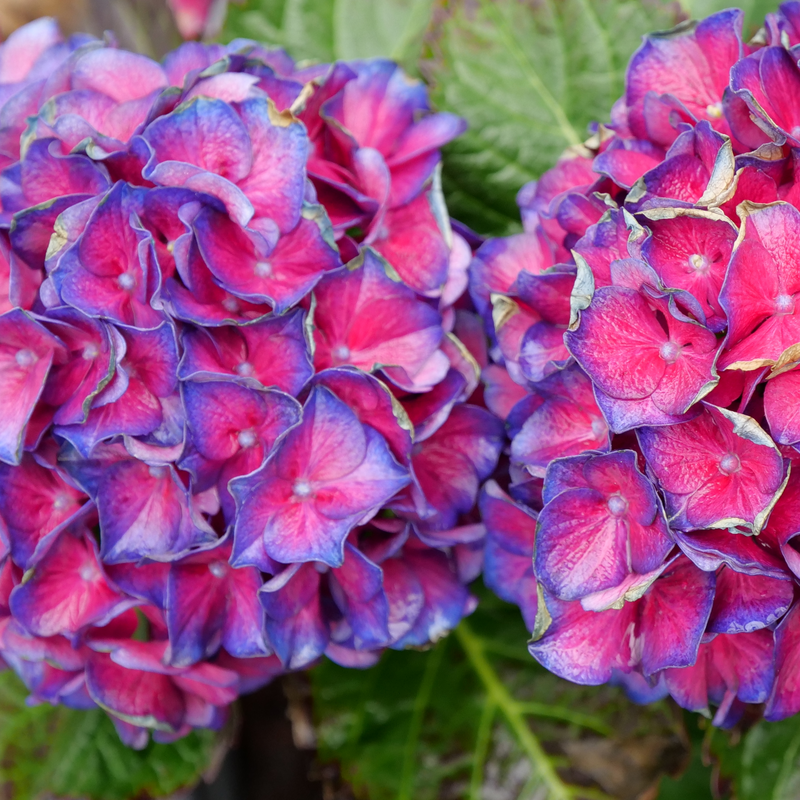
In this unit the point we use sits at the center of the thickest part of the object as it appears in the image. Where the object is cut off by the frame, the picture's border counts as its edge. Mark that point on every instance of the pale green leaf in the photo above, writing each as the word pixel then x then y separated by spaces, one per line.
pixel 529 77
pixel 325 30
pixel 754 10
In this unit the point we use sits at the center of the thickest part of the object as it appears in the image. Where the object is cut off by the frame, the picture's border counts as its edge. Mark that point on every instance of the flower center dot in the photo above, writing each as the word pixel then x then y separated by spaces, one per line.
pixel 90 352
pixel 698 262
pixel 302 488
pixel 599 427
pixel 61 501
pixel 218 569
pixel 784 303
pixel 263 269
pixel 341 352
pixel 231 304
pixel 157 472
pixel 24 357
pixel 247 438
pixel 245 369
pixel 729 464
pixel 87 572
pixel 669 351
pixel 714 110
pixel 617 505
pixel 126 281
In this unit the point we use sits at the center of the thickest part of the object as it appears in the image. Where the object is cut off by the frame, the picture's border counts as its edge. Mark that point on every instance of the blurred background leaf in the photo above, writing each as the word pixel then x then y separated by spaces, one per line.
pixel 46 751
pixel 324 30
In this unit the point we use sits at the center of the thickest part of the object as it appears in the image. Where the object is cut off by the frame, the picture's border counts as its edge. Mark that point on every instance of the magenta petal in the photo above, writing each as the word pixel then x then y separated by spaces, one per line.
pixel 145 513
pixel 275 182
pixel 210 604
pixel 366 319
pixel 785 697
pixel 729 668
pixel 780 408
pixel 35 503
pixel 118 74
pixel 692 253
pixel 566 421
pixel 67 591
pixel 26 353
pixel 498 262
pixel 748 602
pixel 599 528
pixel 712 548
pixel 358 591
pixel 205 133
pixel 640 359
pixel 446 599
pixel 373 404
pixel 415 245
pixel 673 616
pixel 146 699
pixel 224 417
pixel 326 475
pixel 270 352
pixel 450 465
pixel 585 646
pixel 295 625
pixel 718 470
pixel 759 290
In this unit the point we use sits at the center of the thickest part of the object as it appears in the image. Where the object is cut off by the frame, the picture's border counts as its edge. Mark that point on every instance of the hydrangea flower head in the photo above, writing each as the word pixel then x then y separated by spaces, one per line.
pixel 223 410
pixel 648 524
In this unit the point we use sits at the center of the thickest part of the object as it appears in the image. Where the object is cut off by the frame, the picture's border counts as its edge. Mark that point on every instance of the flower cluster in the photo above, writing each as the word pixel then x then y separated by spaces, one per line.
pixel 233 429
pixel 646 340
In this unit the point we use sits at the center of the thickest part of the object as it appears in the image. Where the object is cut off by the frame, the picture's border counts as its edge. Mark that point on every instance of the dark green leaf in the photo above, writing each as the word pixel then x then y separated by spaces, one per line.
pixel 476 717
pixel 529 77
pixel 46 751
pixel 695 783
pixel 324 30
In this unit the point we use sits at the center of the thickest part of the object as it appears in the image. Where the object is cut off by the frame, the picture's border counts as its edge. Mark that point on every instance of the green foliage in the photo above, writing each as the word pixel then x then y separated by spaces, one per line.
pixel 46 751
pixel 324 30
pixel 475 716
pixel 529 77
pixel 755 10
pixel 764 764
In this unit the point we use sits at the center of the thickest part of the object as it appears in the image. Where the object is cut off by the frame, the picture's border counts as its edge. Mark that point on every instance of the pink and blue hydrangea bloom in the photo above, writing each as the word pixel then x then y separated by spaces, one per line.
pixel 238 432
pixel 653 460
pixel 221 407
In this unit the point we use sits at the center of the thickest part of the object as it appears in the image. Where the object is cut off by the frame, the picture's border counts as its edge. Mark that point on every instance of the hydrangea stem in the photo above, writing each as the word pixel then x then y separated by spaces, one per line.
pixel 415 728
pixel 500 696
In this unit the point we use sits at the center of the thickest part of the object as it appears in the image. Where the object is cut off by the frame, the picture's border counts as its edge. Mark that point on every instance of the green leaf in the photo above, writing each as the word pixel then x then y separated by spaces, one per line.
pixel 754 10
pixel 759 759
pixel 476 717
pixel 325 30
pixel 47 751
pixel 695 783
pixel 529 77
pixel 769 762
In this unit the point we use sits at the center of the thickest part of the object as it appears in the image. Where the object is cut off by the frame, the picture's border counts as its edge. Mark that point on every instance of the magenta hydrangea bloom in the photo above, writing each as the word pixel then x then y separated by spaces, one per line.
pixel 644 355
pixel 234 429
